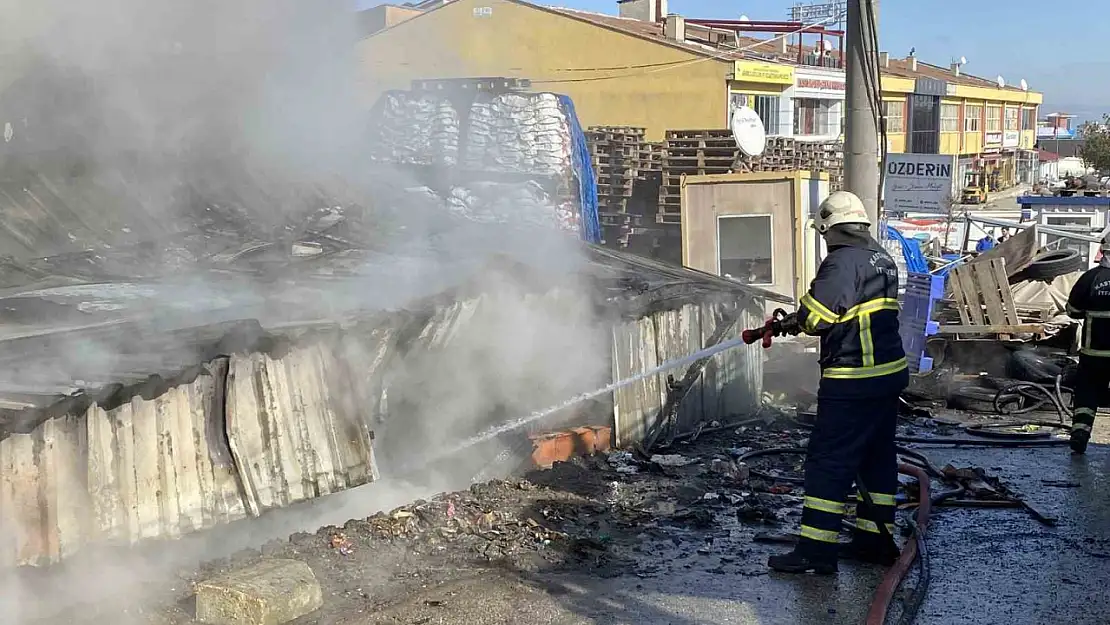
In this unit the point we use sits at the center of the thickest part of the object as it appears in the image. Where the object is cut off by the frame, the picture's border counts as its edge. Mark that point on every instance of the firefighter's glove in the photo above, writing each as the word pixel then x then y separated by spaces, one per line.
pixel 788 326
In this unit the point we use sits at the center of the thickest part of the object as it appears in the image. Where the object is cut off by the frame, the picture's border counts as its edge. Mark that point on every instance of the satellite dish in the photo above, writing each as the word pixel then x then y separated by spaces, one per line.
pixel 1001 81
pixel 748 131
pixel 963 60
pixel 1024 85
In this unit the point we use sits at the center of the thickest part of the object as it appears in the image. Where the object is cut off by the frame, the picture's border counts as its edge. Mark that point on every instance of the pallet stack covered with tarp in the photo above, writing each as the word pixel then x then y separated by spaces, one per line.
pixel 456 137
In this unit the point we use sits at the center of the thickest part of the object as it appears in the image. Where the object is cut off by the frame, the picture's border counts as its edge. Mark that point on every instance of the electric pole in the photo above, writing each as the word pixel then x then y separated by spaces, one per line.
pixel 861 136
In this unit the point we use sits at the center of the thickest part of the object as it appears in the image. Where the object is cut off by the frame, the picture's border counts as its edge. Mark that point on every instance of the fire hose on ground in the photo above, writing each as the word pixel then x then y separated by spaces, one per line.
pixel 993 435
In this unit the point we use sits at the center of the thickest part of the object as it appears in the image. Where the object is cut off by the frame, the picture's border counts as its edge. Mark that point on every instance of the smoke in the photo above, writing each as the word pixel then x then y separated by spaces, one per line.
pixel 152 118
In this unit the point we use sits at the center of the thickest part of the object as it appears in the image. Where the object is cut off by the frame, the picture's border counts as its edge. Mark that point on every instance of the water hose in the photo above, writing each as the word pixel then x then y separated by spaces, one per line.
pixel 1042 396
pixel 913 549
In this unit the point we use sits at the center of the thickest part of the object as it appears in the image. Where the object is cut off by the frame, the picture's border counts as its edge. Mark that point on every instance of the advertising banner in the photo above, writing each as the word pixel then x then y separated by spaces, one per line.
pixel 918 182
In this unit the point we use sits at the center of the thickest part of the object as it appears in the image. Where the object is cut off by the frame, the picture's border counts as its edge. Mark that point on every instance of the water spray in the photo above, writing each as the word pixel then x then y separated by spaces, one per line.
pixel 516 424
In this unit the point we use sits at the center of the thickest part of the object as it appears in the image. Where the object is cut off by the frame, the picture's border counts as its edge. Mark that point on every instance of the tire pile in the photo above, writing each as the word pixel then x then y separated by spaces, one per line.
pixel 1051 265
pixel 1025 369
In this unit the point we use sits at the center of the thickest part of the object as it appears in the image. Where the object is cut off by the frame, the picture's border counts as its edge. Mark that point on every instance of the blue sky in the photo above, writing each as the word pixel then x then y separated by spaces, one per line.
pixel 1015 38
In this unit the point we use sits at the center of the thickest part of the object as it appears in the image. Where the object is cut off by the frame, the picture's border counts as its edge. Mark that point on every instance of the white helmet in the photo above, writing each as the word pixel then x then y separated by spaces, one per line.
pixel 841 207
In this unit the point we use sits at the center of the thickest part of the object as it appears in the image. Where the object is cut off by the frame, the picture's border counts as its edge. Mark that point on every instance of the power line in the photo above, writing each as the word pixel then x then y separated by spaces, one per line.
pixel 660 67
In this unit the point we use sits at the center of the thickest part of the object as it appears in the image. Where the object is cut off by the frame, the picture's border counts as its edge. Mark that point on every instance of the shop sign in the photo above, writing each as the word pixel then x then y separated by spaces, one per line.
pixel 819 84
pixel 994 138
pixel 750 71
pixel 930 86
pixel 1011 139
pixel 918 182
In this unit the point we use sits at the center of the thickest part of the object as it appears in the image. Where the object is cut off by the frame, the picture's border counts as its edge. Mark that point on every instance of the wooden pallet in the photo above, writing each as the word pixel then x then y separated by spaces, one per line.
pixel 981 292
pixel 692 135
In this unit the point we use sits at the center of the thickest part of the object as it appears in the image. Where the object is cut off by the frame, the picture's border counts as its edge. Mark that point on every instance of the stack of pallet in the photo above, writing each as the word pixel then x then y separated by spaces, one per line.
pixel 779 155
pixel 615 151
pixel 823 156
pixel 691 153
pixel 622 160
pixel 699 152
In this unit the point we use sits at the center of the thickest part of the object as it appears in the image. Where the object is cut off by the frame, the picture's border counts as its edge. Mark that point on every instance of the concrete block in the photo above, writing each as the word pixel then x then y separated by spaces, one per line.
pixel 271 592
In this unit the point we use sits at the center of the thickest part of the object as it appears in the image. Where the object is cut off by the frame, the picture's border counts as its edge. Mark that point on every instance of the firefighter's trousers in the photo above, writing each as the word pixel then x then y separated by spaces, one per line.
pixel 1092 380
pixel 853 436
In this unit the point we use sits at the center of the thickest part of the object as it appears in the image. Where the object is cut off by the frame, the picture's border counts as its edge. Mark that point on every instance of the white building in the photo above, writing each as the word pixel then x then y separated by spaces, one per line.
pixel 814 106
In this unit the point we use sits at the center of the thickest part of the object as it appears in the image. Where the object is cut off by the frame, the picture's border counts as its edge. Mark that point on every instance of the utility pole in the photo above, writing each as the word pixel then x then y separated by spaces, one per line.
pixel 861 137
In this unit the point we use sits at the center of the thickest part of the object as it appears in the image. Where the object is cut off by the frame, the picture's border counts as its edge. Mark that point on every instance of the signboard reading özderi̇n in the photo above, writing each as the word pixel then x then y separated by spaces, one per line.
pixel 918 182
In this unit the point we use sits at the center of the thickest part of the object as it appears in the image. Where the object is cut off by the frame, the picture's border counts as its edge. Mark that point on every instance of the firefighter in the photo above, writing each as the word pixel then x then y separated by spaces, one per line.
pixel 852 306
pixel 1089 301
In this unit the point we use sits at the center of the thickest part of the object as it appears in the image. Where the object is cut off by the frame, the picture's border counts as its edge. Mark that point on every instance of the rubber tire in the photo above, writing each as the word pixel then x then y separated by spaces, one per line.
pixel 1052 264
pixel 1029 365
pixel 979 399
pixel 996 383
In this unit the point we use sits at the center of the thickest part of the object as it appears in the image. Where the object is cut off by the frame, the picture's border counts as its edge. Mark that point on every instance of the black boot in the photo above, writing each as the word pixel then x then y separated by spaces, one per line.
pixel 1079 440
pixel 880 552
pixel 796 562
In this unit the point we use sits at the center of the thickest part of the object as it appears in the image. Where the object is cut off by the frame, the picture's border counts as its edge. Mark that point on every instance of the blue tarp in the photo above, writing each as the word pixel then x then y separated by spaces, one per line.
pixel 589 221
pixel 911 251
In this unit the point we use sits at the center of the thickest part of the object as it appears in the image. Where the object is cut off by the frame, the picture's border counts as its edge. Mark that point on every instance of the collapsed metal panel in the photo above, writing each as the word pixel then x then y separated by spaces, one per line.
pixel 730 385
pixel 291 438
pixel 155 468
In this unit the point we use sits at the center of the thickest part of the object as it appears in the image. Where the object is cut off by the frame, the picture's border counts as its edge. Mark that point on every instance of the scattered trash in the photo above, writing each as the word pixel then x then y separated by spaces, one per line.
pixel 342 544
pixel 672 460
pixel 623 462
pixel 735 471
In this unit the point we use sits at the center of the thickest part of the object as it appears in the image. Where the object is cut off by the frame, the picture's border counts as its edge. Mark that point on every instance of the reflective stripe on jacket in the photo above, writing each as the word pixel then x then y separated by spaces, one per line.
pixel 1089 300
pixel 853 306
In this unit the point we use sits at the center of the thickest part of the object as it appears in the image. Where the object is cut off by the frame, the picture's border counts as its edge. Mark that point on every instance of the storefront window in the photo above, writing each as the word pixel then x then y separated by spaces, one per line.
pixel 766 106
pixel 744 244
pixel 949 117
pixel 973 113
pixel 895 112
pixel 1012 115
pixel 814 117
pixel 994 119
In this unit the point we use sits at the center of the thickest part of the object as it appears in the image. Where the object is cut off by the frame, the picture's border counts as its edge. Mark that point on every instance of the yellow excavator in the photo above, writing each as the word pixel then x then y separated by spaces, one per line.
pixel 975 188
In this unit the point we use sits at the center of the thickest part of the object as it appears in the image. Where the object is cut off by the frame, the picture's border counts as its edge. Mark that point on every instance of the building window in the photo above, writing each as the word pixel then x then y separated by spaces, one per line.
pixel 924 126
pixel 895 112
pixel 744 244
pixel 949 117
pixel 973 114
pixel 1013 115
pixel 814 117
pixel 1028 119
pixel 994 119
pixel 766 106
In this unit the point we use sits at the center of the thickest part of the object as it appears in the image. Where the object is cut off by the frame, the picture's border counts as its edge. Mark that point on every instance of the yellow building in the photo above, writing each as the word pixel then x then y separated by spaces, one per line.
pixel 992 128
pixel 659 75
pixel 663 73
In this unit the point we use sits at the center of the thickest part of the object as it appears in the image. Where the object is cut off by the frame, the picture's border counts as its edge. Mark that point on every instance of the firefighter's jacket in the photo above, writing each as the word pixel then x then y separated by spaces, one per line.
pixel 1090 301
pixel 853 306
